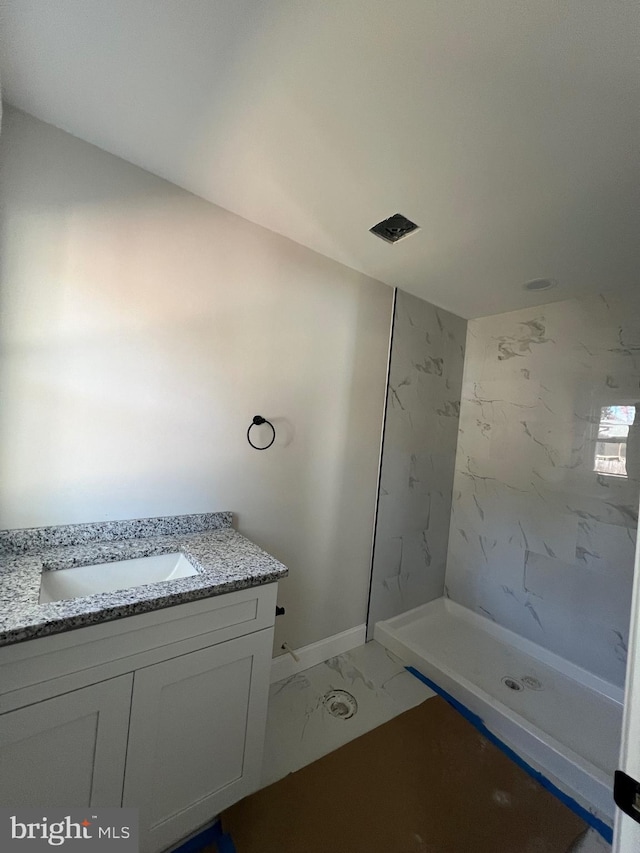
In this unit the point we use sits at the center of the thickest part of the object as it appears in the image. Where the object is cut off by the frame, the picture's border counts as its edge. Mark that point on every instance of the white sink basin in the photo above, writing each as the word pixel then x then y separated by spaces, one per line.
pixel 107 577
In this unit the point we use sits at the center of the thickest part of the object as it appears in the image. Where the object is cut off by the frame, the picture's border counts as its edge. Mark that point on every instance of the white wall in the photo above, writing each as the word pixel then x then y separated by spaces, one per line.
pixel 142 328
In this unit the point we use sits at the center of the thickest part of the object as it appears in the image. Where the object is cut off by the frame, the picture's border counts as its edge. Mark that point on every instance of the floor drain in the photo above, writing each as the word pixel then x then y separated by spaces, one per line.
pixel 340 704
pixel 531 682
pixel 512 683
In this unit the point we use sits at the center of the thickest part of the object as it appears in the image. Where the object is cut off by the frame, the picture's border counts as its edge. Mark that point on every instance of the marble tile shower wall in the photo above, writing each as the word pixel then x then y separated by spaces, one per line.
pixel 421 430
pixel 540 541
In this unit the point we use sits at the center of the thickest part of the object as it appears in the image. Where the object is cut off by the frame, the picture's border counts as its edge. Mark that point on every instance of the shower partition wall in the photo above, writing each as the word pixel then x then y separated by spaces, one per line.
pixel 418 458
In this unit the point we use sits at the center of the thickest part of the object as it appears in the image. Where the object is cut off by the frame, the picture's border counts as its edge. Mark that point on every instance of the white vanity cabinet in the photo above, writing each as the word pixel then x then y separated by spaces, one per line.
pixel 164 712
pixel 69 750
pixel 195 741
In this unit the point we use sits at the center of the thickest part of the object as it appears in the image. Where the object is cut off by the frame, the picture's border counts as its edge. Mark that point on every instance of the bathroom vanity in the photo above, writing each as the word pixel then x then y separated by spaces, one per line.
pixel 153 696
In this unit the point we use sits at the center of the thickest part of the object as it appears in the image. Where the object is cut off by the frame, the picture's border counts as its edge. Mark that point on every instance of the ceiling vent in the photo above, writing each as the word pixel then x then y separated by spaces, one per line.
pixel 395 228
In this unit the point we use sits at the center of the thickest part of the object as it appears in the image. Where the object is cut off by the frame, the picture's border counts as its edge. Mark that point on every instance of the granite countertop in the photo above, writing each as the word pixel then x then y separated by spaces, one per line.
pixel 225 561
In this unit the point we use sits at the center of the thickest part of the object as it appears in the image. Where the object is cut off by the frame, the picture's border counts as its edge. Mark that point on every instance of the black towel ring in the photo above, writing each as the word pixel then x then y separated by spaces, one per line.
pixel 257 421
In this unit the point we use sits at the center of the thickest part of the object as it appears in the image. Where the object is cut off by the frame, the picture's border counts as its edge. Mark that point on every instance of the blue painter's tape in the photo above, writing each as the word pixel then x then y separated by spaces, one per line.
pixel 225 844
pixel 600 826
pixel 202 839
pixel 210 835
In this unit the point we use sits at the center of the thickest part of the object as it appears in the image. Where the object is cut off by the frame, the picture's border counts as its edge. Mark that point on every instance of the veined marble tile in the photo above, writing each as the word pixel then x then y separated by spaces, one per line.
pixel 618 505
pixel 608 549
pixel 489 395
pixel 421 433
pixel 389 594
pixel 575 586
pixel 499 558
pixel 539 540
pixel 300 728
pixel 502 514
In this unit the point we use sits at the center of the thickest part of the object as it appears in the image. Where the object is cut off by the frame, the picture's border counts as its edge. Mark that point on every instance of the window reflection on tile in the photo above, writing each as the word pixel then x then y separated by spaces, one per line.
pixel 611 446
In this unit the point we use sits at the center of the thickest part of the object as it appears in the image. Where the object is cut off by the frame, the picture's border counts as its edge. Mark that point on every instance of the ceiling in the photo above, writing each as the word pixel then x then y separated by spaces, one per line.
pixel 509 131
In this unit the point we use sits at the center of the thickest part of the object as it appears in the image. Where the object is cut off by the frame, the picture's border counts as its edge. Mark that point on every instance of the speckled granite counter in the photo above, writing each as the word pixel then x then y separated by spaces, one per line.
pixel 225 561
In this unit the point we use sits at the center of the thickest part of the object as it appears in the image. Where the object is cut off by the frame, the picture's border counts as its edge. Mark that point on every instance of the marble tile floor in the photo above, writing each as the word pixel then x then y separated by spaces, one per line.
pixel 310 715
pixel 591 843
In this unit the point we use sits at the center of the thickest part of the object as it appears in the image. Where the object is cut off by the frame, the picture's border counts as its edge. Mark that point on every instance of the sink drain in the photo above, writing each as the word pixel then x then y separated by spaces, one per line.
pixel 512 683
pixel 340 704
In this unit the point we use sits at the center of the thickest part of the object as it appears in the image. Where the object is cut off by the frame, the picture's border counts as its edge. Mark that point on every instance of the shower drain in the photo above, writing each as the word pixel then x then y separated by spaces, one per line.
pixel 340 704
pixel 512 683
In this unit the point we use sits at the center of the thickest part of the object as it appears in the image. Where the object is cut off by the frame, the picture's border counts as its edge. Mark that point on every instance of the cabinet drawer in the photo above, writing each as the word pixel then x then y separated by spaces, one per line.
pixel 125 644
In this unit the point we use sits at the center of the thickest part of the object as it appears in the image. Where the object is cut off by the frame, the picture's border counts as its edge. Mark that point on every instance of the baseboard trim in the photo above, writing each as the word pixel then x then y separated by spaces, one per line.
pixel 284 665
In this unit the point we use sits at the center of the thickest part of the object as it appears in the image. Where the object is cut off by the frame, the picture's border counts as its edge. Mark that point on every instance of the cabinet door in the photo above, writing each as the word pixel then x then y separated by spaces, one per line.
pixel 68 751
pixel 196 736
